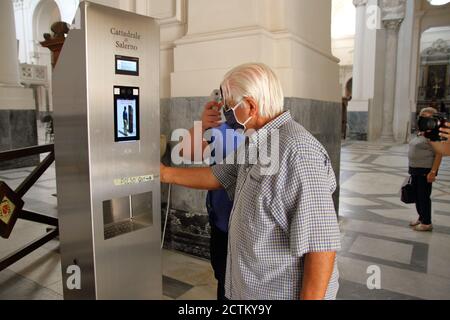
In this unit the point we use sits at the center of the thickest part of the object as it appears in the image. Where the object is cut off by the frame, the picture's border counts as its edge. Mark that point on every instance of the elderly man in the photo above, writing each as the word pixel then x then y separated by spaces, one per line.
pixel 283 230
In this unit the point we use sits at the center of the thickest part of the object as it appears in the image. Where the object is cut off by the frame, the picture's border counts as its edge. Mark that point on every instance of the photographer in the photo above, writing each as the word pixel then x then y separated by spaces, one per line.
pixel 424 165
pixel 443 147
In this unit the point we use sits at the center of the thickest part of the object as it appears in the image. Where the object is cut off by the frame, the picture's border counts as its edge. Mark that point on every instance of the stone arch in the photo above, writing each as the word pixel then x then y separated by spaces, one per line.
pixel 45 14
pixel 68 9
pixel 435 16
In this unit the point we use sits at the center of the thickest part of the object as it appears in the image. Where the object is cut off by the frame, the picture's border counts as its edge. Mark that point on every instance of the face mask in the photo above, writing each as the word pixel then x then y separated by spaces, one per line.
pixel 233 121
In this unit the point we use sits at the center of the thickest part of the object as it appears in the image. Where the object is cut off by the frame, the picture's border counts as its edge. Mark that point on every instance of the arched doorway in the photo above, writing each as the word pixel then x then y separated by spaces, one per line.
pixel 45 14
pixel 434 70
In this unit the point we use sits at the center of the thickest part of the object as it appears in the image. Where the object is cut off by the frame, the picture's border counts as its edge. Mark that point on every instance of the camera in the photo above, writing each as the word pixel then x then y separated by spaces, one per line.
pixel 431 125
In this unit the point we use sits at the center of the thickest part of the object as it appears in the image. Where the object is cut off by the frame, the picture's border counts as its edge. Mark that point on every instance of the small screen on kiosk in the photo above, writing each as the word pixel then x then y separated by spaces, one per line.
pixel 130 66
pixel 127 65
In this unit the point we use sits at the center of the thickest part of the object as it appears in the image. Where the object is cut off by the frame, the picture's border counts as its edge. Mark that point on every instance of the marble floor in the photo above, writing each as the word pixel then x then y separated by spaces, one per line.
pixel 375 231
pixel 374 226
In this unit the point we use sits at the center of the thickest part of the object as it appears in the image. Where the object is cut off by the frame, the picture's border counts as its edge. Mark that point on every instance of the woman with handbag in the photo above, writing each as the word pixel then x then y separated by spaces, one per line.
pixel 424 165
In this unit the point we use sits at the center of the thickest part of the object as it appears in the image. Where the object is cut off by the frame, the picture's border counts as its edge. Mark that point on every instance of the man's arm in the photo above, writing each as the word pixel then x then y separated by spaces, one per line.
pixel 314 229
pixel 317 274
pixel 194 178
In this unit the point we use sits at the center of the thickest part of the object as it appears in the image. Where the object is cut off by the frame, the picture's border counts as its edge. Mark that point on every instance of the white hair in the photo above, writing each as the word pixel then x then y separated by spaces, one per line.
pixel 258 81
pixel 428 111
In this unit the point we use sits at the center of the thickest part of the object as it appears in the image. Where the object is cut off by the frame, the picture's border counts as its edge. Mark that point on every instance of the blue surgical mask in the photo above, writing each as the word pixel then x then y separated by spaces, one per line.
pixel 233 121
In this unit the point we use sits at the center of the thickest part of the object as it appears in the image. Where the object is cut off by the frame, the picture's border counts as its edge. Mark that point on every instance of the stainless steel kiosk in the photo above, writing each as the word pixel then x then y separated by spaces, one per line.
pixel 107 145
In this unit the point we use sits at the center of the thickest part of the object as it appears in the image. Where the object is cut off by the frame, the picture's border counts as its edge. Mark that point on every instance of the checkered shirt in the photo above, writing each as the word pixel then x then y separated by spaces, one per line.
pixel 277 219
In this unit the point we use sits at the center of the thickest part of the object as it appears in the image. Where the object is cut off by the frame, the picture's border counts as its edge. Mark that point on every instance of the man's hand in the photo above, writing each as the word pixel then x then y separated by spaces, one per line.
pixel 211 117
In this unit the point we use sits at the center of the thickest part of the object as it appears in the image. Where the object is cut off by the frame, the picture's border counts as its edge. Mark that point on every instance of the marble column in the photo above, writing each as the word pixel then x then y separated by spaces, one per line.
pixel 9 66
pixel 17 105
pixel 358 107
pixel 358 56
pixel 393 15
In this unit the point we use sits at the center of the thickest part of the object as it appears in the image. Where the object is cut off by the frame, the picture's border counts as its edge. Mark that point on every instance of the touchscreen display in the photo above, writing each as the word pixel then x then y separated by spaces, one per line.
pixel 126 114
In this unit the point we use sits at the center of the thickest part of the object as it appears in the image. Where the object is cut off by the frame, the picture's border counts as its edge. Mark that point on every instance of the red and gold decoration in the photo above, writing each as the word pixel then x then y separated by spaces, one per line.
pixel 10 207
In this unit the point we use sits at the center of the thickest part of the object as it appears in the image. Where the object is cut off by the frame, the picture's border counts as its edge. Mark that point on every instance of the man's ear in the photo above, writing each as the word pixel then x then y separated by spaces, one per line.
pixel 254 108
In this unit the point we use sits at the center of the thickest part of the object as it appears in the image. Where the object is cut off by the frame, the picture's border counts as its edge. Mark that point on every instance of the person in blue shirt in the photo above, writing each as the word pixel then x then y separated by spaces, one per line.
pixel 218 203
pixel 219 207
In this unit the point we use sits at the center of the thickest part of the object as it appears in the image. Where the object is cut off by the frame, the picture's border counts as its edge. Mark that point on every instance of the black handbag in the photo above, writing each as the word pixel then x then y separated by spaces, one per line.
pixel 408 194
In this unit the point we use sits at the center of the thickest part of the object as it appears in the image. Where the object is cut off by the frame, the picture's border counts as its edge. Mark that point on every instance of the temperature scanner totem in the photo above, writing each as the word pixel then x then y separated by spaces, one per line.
pixel 107 146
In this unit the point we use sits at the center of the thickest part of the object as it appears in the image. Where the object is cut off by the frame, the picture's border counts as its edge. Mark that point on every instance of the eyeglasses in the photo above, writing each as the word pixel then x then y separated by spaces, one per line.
pixel 222 98
pixel 226 107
